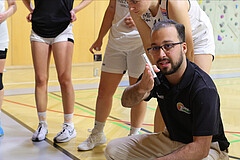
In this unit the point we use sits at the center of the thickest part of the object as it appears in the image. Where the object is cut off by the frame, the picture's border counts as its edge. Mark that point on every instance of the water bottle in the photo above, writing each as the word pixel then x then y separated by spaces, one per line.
pixel 97 60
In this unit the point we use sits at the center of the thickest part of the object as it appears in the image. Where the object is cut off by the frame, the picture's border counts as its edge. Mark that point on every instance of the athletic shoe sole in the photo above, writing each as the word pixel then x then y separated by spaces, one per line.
pixel 37 140
pixel 97 144
pixel 87 149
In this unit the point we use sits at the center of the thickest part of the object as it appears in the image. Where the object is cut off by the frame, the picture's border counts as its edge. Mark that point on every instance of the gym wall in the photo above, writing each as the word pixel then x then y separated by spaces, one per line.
pixel 225 18
pixel 224 15
pixel 85 31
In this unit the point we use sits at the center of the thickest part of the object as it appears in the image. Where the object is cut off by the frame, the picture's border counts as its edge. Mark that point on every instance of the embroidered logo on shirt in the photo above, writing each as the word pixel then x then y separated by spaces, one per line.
pixel 160 96
pixel 164 11
pixel 181 107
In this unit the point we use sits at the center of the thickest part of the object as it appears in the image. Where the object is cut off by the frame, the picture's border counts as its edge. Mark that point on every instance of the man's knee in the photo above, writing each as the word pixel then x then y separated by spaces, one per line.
pixel 216 153
pixel 110 149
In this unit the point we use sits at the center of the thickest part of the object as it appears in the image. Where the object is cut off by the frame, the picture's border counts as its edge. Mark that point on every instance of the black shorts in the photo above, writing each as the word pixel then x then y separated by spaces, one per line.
pixel 3 54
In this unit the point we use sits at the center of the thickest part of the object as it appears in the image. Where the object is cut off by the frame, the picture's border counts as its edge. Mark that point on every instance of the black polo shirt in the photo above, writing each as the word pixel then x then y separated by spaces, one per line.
pixel 51 17
pixel 190 108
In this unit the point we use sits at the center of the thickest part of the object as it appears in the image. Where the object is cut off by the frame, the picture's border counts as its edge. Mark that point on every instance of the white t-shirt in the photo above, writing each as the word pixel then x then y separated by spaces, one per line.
pixel 4 38
pixel 121 36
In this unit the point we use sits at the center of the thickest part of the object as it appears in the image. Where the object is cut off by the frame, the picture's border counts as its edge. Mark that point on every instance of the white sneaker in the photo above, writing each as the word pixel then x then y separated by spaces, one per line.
pixel 68 132
pixel 93 140
pixel 40 133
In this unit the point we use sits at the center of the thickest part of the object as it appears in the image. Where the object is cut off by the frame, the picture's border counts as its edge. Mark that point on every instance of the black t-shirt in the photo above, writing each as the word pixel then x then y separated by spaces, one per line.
pixel 190 108
pixel 51 17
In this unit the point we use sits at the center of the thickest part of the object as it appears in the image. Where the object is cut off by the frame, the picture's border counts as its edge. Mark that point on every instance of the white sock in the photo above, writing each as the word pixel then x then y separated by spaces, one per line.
pixel 68 118
pixel 42 117
pixel 98 127
pixel 134 130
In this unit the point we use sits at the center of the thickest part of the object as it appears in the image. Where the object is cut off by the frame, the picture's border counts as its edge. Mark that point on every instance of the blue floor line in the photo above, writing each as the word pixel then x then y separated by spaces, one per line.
pixel 20 91
pixel 226 75
pixel 213 76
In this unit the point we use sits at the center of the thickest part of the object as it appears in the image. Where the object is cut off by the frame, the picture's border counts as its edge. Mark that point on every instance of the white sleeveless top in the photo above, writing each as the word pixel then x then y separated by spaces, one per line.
pixel 4 38
pixel 202 31
pixel 121 36
pixel 150 20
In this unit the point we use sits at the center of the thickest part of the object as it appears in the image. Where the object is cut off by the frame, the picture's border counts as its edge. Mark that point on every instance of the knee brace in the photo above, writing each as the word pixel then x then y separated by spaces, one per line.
pixel 1 84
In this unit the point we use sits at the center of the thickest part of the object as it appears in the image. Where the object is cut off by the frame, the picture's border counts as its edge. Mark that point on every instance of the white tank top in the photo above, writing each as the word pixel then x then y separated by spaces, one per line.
pixel 4 39
pixel 200 22
pixel 150 20
pixel 121 36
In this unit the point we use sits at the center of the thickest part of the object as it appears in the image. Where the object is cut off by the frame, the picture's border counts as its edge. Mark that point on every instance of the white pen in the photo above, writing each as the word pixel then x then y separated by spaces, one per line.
pixel 156 80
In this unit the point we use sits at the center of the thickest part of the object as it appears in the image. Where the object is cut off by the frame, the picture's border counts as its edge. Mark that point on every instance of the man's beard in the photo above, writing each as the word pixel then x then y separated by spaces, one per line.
pixel 174 66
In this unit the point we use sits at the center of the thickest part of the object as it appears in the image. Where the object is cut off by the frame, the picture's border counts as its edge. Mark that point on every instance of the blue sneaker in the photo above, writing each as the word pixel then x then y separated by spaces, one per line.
pixel 1 130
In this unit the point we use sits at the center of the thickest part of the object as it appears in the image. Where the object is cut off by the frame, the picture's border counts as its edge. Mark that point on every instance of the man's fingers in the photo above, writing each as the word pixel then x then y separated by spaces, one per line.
pixel 155 68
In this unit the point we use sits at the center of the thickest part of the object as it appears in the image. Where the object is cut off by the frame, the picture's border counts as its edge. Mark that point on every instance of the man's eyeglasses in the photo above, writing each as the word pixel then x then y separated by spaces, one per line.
pixel 166 48
pixel 133 1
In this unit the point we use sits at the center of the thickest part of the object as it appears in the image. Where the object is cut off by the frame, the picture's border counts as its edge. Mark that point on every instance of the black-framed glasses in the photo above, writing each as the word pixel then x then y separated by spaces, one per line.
pixel 166 48
pixel 133 1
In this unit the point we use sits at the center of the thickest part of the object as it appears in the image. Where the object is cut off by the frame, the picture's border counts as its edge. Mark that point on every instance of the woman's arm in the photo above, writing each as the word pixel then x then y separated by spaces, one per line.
pixel 178 11
pixel 79 7
pixel 82 5
pixel 12 8
pixel 106 25
pixel 144 31
pixel 28 4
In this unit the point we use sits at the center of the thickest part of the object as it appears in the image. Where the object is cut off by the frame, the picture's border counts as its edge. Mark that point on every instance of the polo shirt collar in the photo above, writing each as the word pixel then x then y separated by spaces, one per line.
pixel 187 76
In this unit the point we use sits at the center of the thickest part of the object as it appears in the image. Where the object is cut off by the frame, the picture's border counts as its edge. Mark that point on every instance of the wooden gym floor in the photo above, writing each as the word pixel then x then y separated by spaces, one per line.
pixel 19 117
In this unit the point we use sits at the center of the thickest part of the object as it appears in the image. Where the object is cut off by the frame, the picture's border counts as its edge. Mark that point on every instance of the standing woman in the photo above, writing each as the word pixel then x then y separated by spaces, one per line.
pixel 123 53
pixel 198 28
pixel 52 31
pixel 4 41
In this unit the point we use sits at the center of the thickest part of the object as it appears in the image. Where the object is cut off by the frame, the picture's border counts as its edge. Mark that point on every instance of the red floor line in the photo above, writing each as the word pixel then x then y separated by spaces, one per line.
pixel 79 115
pixel 232 132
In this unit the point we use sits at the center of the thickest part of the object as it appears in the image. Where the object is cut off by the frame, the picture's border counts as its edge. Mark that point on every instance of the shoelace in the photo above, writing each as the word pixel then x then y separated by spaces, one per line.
pixel 40 126
pixel 63 130
pixel 92 138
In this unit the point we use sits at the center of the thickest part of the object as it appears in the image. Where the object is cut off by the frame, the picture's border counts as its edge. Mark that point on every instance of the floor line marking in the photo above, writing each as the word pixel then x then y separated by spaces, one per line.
pixel 142 129
pixel 113 120
pixel 47 140
pixel 214 76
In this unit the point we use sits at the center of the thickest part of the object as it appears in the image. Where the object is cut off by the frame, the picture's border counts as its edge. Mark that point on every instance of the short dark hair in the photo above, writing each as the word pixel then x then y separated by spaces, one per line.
pixel 167 23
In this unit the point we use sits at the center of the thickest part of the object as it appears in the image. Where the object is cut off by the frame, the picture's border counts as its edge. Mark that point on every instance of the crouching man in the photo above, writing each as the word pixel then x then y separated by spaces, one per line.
pixel 189 104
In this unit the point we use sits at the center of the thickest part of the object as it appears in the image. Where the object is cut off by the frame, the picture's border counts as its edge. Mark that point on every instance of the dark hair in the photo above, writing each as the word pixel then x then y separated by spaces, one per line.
pixel 167 23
